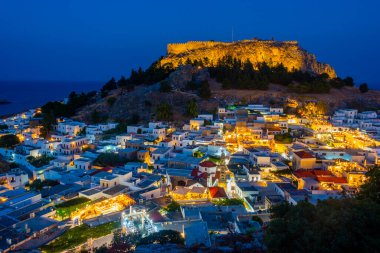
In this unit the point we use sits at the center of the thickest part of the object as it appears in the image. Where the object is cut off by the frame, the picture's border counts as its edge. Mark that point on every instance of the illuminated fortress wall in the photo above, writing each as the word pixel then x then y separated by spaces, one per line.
pixel 289 53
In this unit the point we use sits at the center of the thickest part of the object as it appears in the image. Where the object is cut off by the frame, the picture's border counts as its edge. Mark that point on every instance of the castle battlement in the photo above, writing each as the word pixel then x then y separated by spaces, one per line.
pixel 177 48
pixel 287 53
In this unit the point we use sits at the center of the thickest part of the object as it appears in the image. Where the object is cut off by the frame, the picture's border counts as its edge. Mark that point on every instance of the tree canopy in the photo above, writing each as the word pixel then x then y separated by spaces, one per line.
pixel 236 74
pixel 204 90
pixel 192 108
pixel 164 112
pixel 9 141
pixel 363 88
pixel 334 225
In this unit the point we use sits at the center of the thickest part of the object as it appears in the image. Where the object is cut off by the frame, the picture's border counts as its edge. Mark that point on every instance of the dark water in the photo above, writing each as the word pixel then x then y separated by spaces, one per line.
pixel 26 95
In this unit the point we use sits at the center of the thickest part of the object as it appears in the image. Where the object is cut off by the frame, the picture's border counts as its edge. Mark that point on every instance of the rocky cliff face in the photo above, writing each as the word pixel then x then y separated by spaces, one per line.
pixel 289 53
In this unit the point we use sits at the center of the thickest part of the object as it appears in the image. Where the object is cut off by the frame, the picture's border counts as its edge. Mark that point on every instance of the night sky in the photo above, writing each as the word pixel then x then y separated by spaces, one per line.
pixel 94 40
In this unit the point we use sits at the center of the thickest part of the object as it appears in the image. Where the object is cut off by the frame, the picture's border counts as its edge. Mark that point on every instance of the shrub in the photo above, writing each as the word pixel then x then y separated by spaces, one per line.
pixel 229 202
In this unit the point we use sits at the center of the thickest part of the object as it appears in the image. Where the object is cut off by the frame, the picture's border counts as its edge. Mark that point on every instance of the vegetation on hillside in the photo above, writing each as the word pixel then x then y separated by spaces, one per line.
pixel 236 74
pixel 55 109
pixel 153 74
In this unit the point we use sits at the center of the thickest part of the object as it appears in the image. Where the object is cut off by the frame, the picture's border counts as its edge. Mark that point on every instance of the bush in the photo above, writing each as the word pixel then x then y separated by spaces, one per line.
pixel 229 202
pixel 172 207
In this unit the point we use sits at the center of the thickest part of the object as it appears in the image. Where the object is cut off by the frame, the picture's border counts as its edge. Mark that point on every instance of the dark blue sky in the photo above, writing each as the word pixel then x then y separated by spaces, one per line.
pixel 94 40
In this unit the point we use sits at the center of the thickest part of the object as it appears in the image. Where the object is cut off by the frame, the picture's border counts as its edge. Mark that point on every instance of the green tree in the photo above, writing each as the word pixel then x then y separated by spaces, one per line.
pixel 192 108
pixel 204 90
pixel 363 88
pixel 371 189
pixel 110 85
pixel 122 83
pixel 96 117
pixel 164 112
pixel 9 141
pixel 229 202
pixel 349 81
pixel 172 207
pixel 47 122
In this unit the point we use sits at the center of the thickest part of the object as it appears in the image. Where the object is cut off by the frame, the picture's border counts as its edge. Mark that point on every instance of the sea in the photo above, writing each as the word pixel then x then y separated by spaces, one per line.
pixel 24 95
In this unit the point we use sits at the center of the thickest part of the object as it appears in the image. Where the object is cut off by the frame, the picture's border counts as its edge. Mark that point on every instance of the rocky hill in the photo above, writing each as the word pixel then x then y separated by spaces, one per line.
pixel 142 96
pixel 288 53
pixel 144 99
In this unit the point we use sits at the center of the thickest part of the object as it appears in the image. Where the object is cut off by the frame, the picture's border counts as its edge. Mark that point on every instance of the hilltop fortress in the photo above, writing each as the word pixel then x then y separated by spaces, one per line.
pixel 289 53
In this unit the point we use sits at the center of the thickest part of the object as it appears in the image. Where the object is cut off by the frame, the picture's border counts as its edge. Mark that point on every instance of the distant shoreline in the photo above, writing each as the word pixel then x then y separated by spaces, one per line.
pixel 5 102
pixel 25 95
